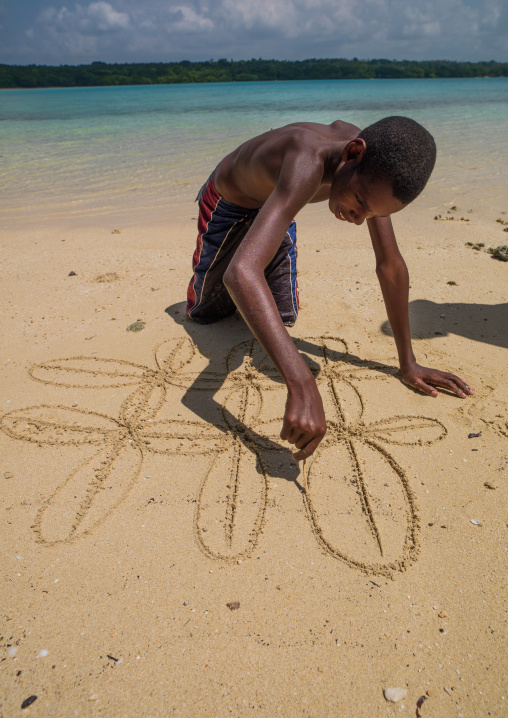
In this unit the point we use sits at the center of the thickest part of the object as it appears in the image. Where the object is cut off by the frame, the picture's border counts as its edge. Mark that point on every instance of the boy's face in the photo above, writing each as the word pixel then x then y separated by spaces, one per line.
pixel 355 198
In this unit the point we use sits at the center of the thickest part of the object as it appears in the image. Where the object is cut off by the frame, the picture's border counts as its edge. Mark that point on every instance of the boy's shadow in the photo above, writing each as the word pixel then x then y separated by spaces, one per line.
pixel 215 342
pixel 486 323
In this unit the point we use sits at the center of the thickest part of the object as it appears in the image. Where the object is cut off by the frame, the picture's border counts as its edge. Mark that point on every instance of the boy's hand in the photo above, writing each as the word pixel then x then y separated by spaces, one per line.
pixel 304 420
pixel 420 377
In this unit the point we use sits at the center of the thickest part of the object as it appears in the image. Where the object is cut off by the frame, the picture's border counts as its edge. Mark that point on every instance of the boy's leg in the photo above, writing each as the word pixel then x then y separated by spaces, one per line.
pixel 221 227
pixel 281 278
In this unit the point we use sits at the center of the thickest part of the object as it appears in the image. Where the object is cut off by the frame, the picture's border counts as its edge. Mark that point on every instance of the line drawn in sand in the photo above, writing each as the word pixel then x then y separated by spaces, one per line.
pixel 500 426
pixel 354 484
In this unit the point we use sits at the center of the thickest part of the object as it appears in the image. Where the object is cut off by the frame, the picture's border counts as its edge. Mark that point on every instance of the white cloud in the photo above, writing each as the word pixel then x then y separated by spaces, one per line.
pixel 280 14
pixel 123 30
pixel 98 17
pixel 106 17
pixel 187 20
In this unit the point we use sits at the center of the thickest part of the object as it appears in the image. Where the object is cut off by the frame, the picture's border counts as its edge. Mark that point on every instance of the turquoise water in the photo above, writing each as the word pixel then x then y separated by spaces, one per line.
pixel 91 151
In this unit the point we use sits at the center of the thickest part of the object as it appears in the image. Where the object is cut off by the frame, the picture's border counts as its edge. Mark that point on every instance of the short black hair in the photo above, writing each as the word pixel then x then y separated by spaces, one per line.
pixel 399 151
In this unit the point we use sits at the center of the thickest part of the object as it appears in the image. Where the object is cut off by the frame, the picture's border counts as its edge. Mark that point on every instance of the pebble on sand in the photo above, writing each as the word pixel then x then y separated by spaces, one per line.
pixel 12 651
pixel 394 695
pixel 43 653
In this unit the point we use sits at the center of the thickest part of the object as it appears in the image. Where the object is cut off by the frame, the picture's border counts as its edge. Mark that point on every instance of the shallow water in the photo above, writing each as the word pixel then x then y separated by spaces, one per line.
pixel 88 152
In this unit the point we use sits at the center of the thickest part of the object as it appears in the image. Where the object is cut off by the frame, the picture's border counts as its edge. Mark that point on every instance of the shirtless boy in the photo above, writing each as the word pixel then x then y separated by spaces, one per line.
pixel 246 251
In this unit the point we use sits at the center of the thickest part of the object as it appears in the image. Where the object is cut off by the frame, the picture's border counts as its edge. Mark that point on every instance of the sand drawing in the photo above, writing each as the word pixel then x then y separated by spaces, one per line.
pixel 500 426
pixel 354 486
pixel 369 463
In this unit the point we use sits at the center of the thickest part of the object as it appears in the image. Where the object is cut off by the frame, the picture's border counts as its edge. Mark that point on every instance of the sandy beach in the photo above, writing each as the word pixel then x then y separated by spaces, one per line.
pixel 160 554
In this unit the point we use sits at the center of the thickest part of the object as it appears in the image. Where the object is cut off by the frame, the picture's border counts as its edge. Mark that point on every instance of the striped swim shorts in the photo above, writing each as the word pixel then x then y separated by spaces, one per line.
pixel 221 227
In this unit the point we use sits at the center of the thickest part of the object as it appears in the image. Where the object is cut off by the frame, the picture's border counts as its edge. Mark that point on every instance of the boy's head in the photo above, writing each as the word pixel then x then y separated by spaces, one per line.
pixel 401 152
pixel 382 170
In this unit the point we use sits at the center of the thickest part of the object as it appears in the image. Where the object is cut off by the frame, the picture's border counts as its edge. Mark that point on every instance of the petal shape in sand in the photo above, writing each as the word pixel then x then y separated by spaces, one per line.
pixel 59 425
pixel 321 353
pixel 231 505
pixel 89 373
pixel 88 496
pixel 344 400
pixel 238 406
pixel 144 403
pixel 361 508
pixel 406 430
pixel 180 437
pixel 239 356
pixel 177 358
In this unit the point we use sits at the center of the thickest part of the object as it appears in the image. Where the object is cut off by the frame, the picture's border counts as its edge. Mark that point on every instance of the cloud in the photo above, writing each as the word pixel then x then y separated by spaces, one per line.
pixel 130 30
pixel 185 19
pixel 98 17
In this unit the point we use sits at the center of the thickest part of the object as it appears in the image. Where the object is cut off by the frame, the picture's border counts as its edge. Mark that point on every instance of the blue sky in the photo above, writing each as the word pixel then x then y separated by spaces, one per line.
pixel 67 32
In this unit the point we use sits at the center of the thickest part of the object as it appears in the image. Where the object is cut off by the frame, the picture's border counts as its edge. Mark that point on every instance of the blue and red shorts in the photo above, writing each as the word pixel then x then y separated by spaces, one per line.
pixel 221 227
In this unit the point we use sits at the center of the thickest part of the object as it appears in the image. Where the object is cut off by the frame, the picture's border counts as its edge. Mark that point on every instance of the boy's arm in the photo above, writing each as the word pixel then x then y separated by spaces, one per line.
pixel 393 277
pixel 304 420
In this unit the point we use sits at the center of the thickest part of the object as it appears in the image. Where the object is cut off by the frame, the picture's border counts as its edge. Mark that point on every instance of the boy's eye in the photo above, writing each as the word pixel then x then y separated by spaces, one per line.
pixel 359 200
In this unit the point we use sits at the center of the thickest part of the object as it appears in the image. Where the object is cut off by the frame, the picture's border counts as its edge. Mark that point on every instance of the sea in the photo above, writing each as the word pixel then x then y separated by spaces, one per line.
pixel 86 154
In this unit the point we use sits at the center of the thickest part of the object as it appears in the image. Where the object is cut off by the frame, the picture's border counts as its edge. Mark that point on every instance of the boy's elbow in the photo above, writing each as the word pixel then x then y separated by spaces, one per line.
pixel 391 267
pixel 234 276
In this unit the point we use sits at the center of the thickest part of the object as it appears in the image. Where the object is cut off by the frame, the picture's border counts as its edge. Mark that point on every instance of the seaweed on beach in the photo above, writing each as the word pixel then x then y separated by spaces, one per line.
pixel 500 252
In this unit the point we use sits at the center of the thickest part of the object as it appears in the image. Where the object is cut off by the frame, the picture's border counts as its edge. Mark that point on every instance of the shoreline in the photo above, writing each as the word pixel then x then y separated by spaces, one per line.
pixel 191 84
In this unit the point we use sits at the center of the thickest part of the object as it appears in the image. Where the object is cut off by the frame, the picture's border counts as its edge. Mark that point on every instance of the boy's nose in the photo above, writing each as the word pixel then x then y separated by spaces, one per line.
pixel 357 217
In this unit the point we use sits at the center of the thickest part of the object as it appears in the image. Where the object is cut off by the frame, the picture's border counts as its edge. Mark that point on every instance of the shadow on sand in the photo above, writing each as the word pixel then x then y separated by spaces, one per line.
pixel 215 342
pixel 481 322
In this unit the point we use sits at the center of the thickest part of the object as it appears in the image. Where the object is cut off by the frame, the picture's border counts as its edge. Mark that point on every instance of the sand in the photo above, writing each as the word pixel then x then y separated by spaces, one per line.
pixel 157 540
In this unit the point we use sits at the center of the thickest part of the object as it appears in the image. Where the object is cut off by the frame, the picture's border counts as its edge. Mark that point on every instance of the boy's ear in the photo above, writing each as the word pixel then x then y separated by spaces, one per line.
pixel 354 150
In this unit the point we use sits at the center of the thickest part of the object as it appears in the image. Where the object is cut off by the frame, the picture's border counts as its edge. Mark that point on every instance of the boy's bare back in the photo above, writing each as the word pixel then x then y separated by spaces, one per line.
pixel 248 175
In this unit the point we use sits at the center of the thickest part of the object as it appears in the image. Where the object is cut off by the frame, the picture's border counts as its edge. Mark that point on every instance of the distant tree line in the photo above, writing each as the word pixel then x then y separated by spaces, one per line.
pixel 160 73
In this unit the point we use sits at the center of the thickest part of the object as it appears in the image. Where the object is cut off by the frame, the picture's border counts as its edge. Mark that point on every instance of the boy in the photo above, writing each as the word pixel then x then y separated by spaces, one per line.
pixel 246 256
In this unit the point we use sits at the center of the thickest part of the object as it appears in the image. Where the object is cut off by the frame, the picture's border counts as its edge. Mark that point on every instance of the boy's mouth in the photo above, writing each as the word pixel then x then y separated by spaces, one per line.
pixel 339 215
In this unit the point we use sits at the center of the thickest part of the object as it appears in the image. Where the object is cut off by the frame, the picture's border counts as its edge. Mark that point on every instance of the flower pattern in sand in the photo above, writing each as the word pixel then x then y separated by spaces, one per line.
pixel 354 483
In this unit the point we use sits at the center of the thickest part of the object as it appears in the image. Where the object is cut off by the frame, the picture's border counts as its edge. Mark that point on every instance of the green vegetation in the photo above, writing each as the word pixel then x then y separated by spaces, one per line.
pixel 105 74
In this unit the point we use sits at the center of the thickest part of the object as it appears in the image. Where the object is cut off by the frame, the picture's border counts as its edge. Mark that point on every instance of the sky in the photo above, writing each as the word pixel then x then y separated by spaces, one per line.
pixel 53 32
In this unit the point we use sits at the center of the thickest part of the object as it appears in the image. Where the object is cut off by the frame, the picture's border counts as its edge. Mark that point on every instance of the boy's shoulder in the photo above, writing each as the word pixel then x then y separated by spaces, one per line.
pixel 337 131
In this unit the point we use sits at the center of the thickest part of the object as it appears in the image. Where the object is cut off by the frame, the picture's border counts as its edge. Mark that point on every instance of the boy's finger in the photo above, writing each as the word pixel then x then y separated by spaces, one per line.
pixel 453 383
pixel 294 436
pixel 462 385
pixel 286 430
pixel 307 450
pixel 455 387
pixel 426 388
